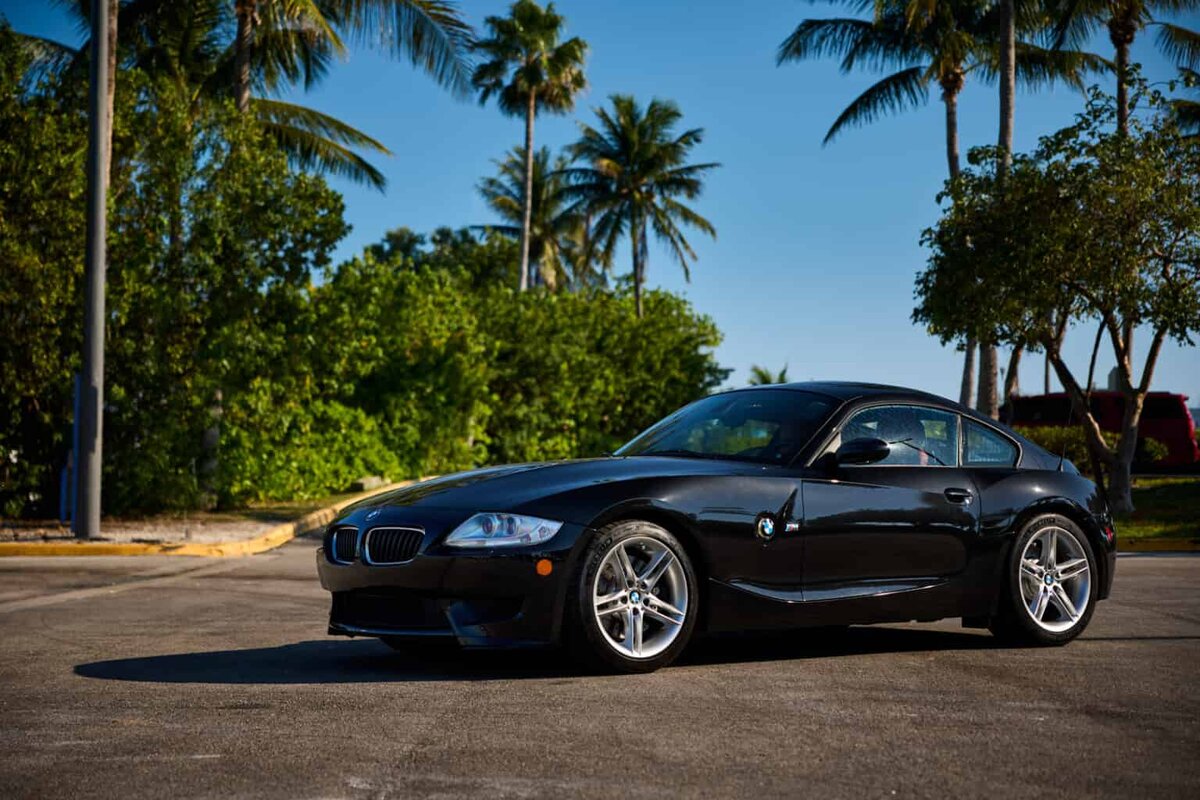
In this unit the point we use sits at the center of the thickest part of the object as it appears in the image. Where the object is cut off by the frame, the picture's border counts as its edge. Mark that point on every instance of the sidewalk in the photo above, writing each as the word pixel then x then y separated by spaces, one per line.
pixel 212 535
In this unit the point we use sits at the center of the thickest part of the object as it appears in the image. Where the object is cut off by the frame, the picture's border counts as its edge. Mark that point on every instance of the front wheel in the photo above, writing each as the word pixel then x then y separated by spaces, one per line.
pixel 1051 591
pixel 635 599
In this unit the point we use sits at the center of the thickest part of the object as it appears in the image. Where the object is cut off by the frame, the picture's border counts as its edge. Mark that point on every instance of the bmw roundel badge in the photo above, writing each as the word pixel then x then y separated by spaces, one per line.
pixel 765 526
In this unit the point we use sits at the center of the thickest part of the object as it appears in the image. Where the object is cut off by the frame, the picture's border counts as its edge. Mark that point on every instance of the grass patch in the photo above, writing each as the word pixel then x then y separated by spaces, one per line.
pixel 1166 507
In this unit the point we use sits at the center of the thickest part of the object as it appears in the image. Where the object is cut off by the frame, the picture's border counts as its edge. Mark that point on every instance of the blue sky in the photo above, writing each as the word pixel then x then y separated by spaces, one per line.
pixel 817 246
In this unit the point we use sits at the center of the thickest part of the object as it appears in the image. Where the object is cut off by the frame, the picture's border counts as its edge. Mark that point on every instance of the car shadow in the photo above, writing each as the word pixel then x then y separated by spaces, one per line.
pixel 370 661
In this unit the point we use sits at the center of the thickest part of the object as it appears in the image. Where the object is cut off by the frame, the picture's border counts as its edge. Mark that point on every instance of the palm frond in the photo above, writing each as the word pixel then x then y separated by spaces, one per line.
pixel 1039 66
pixel 432 34
pixel 1179 44
pixel 309 119
pixel 47 56
pixel 317 141
pixel 908 88
pixel 1074 21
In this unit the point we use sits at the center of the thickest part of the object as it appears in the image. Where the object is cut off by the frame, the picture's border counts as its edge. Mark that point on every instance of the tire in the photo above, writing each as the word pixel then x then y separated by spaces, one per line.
pixel 661 599
pixel 1065 599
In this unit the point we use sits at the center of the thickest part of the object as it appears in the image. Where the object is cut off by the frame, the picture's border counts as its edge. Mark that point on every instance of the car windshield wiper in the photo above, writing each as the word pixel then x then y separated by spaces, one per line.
pixel 908 443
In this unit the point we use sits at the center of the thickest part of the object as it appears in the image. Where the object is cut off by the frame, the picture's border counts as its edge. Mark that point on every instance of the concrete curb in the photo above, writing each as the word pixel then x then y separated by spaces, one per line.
pixel 269 540
pixel 1165 544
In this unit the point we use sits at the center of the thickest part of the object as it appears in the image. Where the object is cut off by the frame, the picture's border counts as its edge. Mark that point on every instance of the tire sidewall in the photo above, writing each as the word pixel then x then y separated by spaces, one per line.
pixel 585 628
pixel 1019 617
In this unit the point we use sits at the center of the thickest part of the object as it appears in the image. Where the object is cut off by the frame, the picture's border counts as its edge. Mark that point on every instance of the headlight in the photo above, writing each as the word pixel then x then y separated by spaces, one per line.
pixel 502 530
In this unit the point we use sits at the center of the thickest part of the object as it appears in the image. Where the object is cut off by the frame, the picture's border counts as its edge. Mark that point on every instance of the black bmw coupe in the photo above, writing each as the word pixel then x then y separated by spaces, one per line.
pixel 808 504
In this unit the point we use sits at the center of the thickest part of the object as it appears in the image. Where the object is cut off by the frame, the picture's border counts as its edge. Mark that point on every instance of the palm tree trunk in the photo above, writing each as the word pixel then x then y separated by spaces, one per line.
pixel 987 401
pixel 527 221
pixel 637 232
pixel 950 90
pixel 1008 83
pixel 966 392
pixel 1012 378
pixel 950 98
pixel 245 11
pixel 1121 33
pixel 111 88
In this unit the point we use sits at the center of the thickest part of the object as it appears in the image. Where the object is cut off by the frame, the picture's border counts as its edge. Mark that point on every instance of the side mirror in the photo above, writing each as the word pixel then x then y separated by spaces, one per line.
pixel 862 451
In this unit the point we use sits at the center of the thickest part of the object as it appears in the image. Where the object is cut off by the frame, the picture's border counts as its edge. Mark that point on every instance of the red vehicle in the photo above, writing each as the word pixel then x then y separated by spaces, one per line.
pixel 1165 417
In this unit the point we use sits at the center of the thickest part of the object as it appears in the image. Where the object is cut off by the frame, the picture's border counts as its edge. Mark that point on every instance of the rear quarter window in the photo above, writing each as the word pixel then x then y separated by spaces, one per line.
pixel 984 447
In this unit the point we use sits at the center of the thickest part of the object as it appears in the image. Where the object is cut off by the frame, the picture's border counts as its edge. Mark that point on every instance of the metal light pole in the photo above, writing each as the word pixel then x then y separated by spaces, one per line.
pixel 91 406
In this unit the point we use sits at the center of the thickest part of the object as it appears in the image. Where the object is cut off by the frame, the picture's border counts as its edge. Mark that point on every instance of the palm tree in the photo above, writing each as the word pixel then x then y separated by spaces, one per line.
pixel 761 376
pixel 281 43
pixel 635 173
pixel 528 70
pixel 553 227
pixel 1078 19
pixel 928 42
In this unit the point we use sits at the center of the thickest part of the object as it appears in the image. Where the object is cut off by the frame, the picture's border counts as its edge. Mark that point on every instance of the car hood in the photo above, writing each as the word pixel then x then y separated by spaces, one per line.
pixel 512 487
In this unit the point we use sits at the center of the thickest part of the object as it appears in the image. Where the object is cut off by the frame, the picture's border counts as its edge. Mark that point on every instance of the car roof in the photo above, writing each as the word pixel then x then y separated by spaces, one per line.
pixel 847 391
pixel 854 390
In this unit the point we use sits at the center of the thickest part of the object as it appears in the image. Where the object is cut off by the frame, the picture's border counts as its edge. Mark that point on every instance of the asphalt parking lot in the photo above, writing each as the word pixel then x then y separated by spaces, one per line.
pixel 183 677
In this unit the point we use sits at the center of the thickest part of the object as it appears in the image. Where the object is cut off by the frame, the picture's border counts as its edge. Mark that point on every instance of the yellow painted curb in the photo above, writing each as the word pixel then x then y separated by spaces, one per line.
pixel 1158 545
pixel 272 538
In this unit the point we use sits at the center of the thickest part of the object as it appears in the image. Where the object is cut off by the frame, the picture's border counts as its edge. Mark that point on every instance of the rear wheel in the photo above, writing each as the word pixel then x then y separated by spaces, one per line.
pixel 1051 590
pixel 634 599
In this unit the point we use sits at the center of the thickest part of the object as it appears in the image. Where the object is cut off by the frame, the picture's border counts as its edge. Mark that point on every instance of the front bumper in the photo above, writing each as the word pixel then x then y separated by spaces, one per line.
pixel 479 598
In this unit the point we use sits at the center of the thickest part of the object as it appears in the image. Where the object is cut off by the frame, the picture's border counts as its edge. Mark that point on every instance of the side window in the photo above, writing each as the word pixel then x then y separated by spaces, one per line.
pixel 918 436
pixel 986 448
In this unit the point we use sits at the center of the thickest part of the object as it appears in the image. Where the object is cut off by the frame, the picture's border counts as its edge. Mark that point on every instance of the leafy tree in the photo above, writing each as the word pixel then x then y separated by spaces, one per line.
pixel 553 228
pixel 930 42
pixel 1097 225
pixel 635 177
pixel 527 69
pixel 573 376
pixel 761 376
pixel 42 190
pixel 204 301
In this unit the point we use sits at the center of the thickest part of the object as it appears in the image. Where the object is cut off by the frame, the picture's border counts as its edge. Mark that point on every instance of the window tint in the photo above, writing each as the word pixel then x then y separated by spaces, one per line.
pixel 986 448
pixel 918 436
pixel 765 425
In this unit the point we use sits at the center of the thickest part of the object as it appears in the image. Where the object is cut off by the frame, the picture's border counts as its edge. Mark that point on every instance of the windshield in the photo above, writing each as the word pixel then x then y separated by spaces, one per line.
pixel 764 425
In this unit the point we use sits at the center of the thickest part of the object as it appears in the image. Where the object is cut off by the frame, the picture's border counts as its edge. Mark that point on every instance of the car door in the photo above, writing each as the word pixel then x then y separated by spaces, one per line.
pixel 903 523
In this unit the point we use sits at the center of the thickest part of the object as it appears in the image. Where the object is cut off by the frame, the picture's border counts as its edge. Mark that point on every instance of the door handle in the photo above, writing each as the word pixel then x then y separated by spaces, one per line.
pixel 958 495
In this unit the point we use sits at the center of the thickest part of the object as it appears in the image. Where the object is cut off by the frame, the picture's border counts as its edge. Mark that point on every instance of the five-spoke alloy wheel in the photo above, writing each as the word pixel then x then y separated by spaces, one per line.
pixel 635 598
pixel 1052 591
